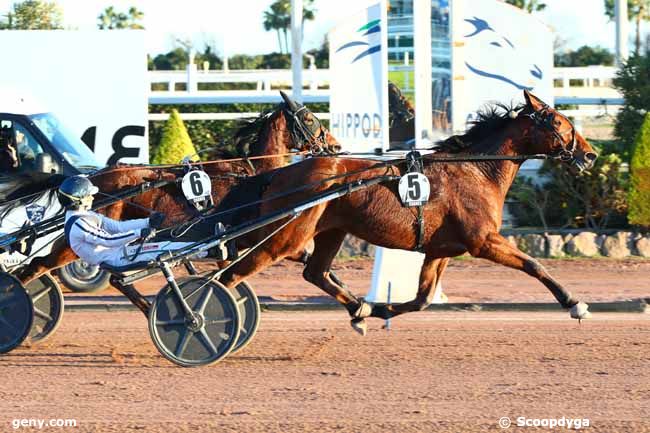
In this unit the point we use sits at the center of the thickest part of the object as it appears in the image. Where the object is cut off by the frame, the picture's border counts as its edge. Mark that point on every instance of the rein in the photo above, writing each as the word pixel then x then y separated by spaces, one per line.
pixel 201 163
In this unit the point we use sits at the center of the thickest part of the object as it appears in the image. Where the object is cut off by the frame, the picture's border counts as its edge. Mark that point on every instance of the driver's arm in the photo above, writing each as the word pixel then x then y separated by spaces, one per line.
pixel 114 226
pixel 93 235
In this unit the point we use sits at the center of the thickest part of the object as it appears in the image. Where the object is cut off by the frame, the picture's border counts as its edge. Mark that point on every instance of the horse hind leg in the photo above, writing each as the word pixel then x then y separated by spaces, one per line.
pixel 58 257
pixel 430 275
pixel 317 271
pixel 304 257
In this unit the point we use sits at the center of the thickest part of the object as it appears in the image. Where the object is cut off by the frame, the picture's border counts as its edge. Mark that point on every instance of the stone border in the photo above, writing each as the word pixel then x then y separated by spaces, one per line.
pixel 585 244
pixel 615 245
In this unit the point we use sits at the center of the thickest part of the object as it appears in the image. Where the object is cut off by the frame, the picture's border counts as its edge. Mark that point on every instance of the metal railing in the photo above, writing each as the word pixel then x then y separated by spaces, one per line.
pixel 575 86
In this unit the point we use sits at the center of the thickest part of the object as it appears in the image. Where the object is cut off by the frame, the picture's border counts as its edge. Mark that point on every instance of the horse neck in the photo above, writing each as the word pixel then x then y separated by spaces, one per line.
pixel 275 140
pixel 513 142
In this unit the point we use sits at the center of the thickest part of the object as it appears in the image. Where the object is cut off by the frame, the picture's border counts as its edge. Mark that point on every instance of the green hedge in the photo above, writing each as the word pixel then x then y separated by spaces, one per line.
pixel 639 194
pixel 175 143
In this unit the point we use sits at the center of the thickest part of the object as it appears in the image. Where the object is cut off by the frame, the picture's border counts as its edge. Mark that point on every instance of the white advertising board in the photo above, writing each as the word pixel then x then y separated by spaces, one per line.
pixel 359 68
pixel 498 50
pixel 94 81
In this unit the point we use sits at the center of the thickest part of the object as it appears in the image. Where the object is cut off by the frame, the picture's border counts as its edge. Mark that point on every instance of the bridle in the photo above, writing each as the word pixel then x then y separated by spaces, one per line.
pixel 400 112
pixel 312 136
pixel 544 119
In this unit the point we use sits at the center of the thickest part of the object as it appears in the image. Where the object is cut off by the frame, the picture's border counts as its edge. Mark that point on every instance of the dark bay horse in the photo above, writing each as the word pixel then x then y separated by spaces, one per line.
pixel 401 118
pixel 463 213
pixel 276 132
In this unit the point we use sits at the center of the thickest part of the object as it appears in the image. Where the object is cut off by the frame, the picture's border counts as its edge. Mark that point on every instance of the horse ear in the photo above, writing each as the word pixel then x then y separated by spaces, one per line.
pixel 292 105
pixel 533 101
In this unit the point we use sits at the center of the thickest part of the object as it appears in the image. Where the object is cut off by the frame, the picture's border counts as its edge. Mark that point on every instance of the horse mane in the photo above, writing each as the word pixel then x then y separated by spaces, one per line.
pixel 26 188
pixel 250 130
pixel 491 118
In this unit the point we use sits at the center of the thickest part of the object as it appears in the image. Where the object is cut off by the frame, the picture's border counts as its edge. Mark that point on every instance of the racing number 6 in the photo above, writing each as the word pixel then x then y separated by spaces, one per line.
pixel 195 184
pixel 414 188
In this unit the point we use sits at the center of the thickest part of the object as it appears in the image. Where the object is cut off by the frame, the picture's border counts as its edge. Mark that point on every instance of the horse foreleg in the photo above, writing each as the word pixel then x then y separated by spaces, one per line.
pixel 497 249
pixel 326 245
pixel 430 275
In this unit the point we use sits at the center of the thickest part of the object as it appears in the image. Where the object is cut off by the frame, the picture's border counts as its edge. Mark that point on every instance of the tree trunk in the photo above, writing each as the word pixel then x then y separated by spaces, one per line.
pixel 286 40
pixel 279 40
pixel 637 42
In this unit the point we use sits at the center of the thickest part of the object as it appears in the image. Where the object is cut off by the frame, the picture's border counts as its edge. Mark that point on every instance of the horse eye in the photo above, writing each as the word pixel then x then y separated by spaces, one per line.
pixel 496 44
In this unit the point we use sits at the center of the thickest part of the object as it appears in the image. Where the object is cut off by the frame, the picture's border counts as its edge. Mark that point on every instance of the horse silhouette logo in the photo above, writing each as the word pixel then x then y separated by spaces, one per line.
pixel 370 28
pixel 499 58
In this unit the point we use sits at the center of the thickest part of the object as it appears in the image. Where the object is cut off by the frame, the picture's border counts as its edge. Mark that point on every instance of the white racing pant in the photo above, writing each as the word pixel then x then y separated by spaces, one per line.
pixel 149 251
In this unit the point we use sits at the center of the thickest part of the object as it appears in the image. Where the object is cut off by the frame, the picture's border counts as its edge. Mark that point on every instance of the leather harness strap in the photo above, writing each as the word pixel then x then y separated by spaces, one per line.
pixel 414 164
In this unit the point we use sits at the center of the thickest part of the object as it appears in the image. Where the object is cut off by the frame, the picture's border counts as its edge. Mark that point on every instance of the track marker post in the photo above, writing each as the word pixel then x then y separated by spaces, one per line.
pixel 387 322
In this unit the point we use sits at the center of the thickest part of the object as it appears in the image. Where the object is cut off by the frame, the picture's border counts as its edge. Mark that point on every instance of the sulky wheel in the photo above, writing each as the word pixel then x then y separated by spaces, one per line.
pixel 47 298
pixel 204 339
pixel 249 313
pixel 16 313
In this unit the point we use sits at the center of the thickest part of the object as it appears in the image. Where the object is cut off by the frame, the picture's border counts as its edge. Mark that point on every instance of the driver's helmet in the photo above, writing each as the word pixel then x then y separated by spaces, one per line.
pixel 75 190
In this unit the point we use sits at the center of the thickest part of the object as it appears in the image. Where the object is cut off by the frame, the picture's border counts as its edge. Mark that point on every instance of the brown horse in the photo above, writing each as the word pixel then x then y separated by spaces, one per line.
pixel 463 213
pixel 401 117
pixel 272 133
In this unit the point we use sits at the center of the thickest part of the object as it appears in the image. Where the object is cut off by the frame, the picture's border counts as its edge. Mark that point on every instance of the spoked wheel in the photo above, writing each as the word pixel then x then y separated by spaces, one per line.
pixel 47 298
pixel 205 338
pixel 249 313
pixel 16 313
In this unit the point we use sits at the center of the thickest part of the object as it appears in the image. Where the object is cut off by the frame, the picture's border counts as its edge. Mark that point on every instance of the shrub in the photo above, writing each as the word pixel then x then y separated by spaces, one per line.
pixel 175 143
pixel 594 199
pixel 639 194
pixel 633 80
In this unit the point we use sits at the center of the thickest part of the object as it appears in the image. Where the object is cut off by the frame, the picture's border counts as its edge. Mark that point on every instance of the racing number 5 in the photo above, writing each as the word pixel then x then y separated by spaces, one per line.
pixel 414 188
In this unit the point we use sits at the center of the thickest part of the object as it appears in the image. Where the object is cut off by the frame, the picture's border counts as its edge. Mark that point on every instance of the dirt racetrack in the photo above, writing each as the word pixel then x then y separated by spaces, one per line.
pixel 465 280
pixel 308 371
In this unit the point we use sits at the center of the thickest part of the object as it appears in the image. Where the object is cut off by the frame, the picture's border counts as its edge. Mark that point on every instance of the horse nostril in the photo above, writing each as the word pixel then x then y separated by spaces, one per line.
pixel 590 156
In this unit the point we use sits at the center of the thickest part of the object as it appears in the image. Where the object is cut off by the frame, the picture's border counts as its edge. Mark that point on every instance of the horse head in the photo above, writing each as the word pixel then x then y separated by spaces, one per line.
pixel 400 109
pixel 306 130
pixel 495 47
pixel 8 149
pixel 555 135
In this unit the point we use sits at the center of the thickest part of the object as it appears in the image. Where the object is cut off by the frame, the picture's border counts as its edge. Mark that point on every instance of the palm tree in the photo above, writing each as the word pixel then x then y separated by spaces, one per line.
pixel 639 10
pixel 111 19
pixel 278 18
pixel 272 21
pixel 529 5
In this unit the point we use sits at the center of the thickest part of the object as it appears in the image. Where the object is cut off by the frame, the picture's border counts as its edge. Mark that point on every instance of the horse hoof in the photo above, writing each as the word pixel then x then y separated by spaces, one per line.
pixel 360 326
pixel 580 311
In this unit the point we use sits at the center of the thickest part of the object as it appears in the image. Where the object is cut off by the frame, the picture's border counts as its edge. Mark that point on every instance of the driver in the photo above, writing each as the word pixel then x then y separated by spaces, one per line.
pixel 98 239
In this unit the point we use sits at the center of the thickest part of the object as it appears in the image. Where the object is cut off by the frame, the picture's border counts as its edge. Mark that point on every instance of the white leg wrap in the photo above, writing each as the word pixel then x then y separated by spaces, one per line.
pixel 580 311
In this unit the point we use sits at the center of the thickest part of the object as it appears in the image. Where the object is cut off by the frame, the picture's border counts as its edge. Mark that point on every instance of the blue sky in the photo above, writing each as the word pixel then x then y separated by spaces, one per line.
pixel 236 26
